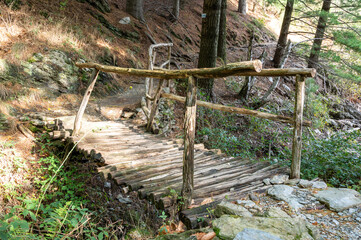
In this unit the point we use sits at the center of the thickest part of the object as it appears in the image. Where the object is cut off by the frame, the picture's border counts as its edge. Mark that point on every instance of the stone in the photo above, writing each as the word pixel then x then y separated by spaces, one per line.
pixel 284 228
pixel 53 70
pixel 276 212
pixel 319 185
pixel 267 181
pixel 226 207
pixel 125 20
pixel 279 179
pixel 292 182
pixel 254 234
pixel 37 123
pixel 246 203
pixel 280 192
pixel 305 183
pixel 339 199
pixel 253 197
pixel 122 199
pixel 107 184
pixel 285 193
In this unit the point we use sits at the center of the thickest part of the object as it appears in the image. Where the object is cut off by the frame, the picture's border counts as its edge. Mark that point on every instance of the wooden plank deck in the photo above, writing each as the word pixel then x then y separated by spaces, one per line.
pixel 152 165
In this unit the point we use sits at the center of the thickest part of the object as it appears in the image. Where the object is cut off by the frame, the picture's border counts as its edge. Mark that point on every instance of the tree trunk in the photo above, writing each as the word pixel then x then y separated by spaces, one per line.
pixel 222 41
pixel 189 135
pixel 243 94
pixel 282 40
pixel 242 7
pixel 135 8
pixel 176 9
pixel 320 31
pixel 209 41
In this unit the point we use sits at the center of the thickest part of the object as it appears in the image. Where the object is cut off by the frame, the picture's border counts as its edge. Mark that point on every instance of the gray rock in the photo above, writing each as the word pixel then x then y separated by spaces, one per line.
pixel 285 193
pixel 254 234
pixel 107 184
pixel 284 228
pixel 246 203
pixel 124 199
pixel 55 70
pixel 279 179
pixel 276 212
pixel 232 209
pixel 280 192
pixel 305 183
pixel 267 181
pixel 292 182
pixel 339 199
pixel 37 123
pixel 125 20
pixel 319 185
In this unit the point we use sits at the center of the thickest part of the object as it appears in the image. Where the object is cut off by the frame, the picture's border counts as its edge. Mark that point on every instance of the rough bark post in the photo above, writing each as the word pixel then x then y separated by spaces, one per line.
pixel 242 7
pixel 209 41
pixel 175 11
pixel 79 115
pixel 222 41
pixel 320 31
pixel 247 84
pixel 154 108
pixel 282 40
pixel 189 134
pixel 169 58
pixel 297 131
pixel 135 8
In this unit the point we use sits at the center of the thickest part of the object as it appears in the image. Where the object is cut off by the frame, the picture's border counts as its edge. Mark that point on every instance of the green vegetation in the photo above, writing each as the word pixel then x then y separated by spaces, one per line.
pixel 336 159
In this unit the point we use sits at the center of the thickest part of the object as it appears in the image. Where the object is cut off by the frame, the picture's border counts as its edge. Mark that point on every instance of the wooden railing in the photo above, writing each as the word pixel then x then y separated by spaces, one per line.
pixel 249 68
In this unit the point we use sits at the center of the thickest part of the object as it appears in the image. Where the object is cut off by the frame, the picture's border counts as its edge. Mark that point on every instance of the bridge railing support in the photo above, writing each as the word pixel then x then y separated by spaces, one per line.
pixel 250 68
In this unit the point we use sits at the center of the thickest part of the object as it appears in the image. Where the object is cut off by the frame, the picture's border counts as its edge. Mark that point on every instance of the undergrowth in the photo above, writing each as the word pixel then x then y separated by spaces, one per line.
pixel 61 208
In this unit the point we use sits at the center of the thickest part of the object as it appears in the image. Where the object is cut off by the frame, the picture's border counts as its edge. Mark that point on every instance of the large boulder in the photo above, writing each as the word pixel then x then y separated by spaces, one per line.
pixel 232 209
pixel 254 234
pixel 55 70
pixel 287 228
pixel 339 199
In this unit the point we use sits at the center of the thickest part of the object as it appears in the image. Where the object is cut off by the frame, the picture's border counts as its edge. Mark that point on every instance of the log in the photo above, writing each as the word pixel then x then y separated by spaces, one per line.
pixel 79 115
pixel 242 111
pixel 283 72
pixel 297 131
pixel 189 135
pixel 224 71
pixel 154 108
pixel 25 131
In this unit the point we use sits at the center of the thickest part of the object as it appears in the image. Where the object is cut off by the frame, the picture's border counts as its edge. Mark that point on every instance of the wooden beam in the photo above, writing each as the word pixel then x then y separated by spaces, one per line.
pixel 242 111
pixel 84 103
pixel 281 72
pixel 224 71
pixel 297 131
pixel 189 135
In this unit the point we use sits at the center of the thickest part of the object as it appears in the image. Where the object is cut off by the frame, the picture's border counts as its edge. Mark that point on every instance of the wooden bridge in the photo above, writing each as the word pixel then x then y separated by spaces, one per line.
pixel 153 166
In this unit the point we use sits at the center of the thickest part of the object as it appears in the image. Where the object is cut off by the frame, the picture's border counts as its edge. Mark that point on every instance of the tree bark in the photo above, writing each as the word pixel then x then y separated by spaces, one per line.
pixel 242 7
pixel 320 31
pixel 209 41
pixel 175 12
pixel 189 134
pixel 282 40
pixel 243 94
pixel 222 41
pixel 135 8
pixel 297 131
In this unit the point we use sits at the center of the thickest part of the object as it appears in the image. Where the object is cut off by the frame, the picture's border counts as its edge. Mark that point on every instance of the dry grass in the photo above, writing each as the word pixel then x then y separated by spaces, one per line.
pixel 14 169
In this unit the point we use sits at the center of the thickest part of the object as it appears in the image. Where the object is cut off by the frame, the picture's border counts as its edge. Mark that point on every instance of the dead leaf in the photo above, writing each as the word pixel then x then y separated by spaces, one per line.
pixel 199 235
pixel 209 236
pixel 181 227
pixel 206 201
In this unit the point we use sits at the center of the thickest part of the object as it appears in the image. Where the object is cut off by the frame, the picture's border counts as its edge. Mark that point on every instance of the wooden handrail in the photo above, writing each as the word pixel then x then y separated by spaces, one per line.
pixel 243 111
pixel 224 71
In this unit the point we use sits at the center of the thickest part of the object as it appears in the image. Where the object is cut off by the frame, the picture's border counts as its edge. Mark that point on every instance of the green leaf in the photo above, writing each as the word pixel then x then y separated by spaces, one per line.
pixel 100 236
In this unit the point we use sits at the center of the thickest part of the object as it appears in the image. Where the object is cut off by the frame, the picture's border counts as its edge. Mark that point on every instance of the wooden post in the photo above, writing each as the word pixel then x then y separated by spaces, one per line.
pixel 169 56
pixel 79 115
pixel 297 131
pixel 154 106
pixel 189 134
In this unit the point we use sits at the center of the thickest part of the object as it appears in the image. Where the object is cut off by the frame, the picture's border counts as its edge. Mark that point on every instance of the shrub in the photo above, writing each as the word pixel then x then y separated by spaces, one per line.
pixel 337 159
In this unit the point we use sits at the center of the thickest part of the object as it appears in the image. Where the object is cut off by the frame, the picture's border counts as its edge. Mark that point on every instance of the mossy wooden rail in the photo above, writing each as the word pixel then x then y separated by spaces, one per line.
pixel 249 68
